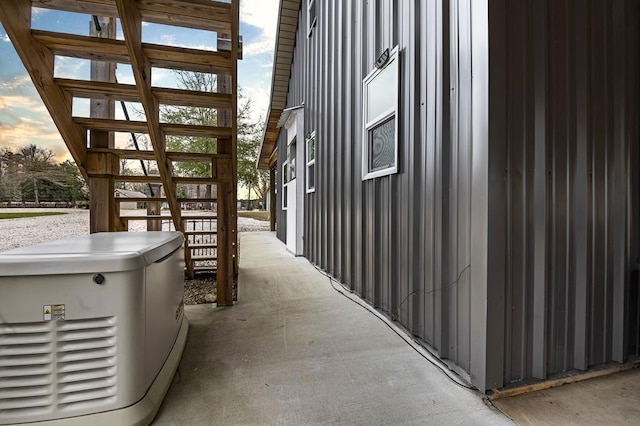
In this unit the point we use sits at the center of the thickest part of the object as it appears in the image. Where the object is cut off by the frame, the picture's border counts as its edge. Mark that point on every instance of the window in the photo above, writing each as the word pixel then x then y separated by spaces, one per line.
pixel 380 110
pixel 311 16
pixel 285 181
pixel 311 162
pixel 292 152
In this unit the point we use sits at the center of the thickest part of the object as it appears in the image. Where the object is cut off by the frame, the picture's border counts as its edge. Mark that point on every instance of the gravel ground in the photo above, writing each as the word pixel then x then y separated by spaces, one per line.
pixel 15 233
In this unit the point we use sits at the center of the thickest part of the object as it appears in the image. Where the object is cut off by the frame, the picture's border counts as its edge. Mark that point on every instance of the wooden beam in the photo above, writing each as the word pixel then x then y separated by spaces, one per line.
pixel 99 90
pixel 197 131
pixel 129 93
pixel 16 20
pixel 140 179
pixel 191 98
pixel 106 124
pixel 197 14
pixel 195 157
pixel 131 22
pixel 109 50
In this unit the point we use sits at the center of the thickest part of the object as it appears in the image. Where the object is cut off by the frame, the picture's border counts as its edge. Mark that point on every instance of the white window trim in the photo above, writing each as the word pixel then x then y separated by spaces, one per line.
pixel 310 162
pixel 393 56
pixel 285 174
pixel 311 23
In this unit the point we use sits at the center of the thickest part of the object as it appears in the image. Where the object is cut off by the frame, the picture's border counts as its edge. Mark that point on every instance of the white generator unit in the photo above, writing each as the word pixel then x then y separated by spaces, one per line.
pixel 91 328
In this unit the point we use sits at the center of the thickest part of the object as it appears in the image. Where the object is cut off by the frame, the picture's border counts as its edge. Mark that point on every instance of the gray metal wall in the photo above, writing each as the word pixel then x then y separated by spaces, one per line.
pixel 474 286
pixel 564 126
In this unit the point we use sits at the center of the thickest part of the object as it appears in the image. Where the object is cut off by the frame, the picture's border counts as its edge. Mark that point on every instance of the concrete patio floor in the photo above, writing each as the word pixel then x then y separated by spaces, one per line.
pixel 293 351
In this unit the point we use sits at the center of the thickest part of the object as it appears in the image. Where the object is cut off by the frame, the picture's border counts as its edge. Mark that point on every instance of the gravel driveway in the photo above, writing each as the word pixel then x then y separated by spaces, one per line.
pixel 22 232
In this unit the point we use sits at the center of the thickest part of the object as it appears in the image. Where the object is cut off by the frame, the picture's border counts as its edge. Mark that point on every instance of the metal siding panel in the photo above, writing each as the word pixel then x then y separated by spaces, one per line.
pixel 562 177
pixel 573 132
pixel 327 23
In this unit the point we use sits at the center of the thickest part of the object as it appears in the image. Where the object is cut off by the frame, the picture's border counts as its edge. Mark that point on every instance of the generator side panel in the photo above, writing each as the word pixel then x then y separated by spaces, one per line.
pixel 70 345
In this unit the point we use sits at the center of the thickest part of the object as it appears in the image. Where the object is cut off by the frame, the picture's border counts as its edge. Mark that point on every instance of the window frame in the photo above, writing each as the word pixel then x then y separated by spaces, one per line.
pixel 311 23
pixel 367 126
pixel 285 184
pixel 309 163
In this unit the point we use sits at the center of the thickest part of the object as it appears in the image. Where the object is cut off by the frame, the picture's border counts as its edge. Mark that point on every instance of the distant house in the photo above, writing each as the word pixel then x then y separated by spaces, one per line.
pixel 472 169
pixel 124 193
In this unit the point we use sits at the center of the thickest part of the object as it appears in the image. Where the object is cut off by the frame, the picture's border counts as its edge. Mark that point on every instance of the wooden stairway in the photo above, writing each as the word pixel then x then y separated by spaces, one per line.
pixel 91 140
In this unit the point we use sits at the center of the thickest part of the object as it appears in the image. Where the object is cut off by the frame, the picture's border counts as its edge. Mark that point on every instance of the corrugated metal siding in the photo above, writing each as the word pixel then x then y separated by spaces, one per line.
pixel 379 236
pixel 404 242
pixel 579 62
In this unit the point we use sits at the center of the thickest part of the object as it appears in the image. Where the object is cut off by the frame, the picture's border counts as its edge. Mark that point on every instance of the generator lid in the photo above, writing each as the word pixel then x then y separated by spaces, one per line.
pixel 101 252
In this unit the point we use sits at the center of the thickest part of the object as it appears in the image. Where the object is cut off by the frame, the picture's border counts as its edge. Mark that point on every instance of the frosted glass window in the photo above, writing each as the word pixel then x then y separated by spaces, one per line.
pixel 380 110
pixel 311 162
pixel 382 92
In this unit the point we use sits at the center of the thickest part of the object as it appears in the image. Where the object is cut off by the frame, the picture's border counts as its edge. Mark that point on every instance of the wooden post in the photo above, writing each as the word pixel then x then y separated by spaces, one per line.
pixel 104 211
pixel 153 209
pixel 272 197
pixel 102 167
pixel 227 191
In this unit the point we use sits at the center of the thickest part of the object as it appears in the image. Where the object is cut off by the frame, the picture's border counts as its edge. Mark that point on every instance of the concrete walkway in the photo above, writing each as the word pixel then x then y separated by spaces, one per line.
pixel 293 351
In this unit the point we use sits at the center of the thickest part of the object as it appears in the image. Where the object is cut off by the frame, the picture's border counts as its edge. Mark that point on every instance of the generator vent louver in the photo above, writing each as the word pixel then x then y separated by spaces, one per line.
pixel 26 369
pixel 57 367
pixel 86 356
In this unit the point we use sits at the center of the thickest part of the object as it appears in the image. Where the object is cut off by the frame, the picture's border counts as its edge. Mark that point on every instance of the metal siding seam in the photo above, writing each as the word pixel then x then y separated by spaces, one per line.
pixel 497 218
pixel 479 202
pixel 580 193
pixel 357 183
pixel 439 100
pixel 539 360
pixel 619 210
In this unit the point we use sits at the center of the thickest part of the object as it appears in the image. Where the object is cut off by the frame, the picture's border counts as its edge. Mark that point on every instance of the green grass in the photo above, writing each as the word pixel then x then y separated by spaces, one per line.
pixel 264 216
pixel 18 215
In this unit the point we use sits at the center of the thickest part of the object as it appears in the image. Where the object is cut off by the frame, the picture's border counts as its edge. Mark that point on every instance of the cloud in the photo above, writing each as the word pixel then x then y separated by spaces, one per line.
pixel 40 132
pixel 5 38
pixel 25 120
pixel 260 97
pixel 262 14
pixel 259 47
pixel 21 102
pixel 21 81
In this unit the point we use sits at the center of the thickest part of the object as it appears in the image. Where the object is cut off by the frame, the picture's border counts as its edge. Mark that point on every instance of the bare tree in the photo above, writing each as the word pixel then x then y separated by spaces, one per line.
pixel 35 165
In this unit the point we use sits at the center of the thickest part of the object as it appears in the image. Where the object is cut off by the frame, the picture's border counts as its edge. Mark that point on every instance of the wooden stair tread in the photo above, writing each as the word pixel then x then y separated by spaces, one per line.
pixel 106 124
pixel 140 200
pixel 145 217
pixel 194 180
pixel 201 232
pixel 205 268
pixel 133 154
pixel 202 246
pixel 199 14
pixel 128 92
pixel 203 257
pixel 111 50
pixel 138 179
pixel 193 217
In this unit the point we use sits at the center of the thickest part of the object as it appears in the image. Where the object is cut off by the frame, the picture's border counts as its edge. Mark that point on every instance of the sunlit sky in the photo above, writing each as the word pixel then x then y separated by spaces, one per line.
pixel 24 119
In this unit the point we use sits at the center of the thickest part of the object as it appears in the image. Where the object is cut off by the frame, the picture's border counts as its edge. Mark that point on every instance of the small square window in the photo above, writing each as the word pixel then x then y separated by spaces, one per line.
pixel 311 162
pixel 380 110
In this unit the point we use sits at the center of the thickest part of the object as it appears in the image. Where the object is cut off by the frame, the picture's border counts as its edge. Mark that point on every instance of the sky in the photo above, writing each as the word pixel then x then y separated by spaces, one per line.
pixel 25 120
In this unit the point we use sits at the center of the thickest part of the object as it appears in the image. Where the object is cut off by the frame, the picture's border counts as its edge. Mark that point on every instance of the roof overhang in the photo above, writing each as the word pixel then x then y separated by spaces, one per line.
pixel 282 60
pixel 286 113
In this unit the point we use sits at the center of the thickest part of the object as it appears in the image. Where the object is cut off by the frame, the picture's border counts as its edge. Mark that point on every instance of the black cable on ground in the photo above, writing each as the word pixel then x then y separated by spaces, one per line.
pixel 386 322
